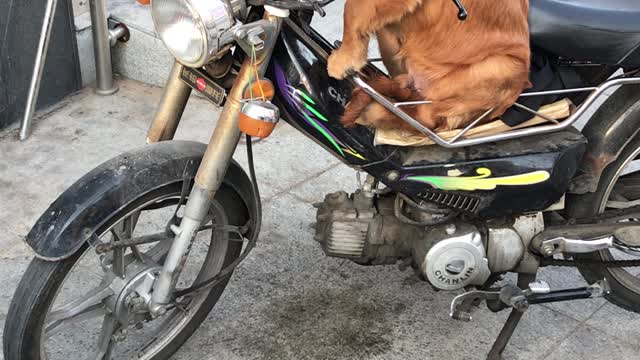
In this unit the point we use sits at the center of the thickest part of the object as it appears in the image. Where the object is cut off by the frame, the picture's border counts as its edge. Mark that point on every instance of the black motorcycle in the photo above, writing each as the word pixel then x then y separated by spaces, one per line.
pixel 162 228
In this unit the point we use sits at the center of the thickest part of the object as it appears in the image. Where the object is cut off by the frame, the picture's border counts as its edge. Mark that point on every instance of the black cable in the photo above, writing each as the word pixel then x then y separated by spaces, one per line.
pixel 253 236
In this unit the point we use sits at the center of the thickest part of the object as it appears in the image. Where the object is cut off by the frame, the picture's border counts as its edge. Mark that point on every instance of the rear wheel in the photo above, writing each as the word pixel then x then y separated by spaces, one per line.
pixel 619 188
pixel 87 303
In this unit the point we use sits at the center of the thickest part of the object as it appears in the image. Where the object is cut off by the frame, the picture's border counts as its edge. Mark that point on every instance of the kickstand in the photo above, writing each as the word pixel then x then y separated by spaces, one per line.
pixel 512 322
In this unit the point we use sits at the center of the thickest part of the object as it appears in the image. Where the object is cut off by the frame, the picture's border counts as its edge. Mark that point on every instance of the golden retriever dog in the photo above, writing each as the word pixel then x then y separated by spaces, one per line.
pixel 465 67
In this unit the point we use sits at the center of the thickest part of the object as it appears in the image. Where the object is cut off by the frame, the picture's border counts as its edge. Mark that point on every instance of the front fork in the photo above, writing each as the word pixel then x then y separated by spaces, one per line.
pixel 216 158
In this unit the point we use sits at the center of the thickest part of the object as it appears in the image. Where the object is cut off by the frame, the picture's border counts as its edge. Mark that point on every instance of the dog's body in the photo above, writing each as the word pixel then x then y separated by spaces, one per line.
pixel 465 67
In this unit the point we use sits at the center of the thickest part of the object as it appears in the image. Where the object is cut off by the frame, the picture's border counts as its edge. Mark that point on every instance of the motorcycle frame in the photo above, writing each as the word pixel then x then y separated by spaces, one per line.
pixel 227 134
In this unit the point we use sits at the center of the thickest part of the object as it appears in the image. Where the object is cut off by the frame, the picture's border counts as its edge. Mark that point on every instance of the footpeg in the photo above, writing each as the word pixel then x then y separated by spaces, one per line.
pixel 582 239
pixel 511 296
pixel 562 245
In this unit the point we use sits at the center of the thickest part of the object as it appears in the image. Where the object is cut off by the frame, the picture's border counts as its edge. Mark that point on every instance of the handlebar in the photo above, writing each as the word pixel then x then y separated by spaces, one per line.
pixel 317 5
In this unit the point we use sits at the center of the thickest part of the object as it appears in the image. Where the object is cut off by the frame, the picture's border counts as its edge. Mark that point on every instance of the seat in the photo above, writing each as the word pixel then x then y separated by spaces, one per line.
pixel 602 31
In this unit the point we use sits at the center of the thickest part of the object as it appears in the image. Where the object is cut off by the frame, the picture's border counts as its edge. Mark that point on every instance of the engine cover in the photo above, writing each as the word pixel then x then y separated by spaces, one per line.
pixel 457 262
pixel 344 224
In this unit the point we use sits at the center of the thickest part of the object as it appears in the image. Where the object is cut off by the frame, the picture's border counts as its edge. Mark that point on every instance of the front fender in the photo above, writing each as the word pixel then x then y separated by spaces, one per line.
pixel 83 208
pixel 610 129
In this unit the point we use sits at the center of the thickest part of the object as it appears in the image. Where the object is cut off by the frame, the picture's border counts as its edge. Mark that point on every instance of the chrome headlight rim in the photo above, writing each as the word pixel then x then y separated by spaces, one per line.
pixel 213 19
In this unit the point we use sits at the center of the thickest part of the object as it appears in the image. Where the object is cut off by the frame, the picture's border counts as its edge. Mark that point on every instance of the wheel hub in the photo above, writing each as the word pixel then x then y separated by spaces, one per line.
pixel 133 293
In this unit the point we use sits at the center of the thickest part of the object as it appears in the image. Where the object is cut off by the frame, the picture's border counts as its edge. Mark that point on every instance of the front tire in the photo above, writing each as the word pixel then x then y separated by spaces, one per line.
pixel 43 280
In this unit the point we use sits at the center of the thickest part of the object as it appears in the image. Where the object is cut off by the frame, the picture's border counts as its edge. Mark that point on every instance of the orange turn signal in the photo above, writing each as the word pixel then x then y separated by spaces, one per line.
pixel 258 118
pixel 260 87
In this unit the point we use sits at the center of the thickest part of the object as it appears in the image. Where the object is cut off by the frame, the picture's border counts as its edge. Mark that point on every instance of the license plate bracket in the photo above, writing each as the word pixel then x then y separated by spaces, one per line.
pixel 204 85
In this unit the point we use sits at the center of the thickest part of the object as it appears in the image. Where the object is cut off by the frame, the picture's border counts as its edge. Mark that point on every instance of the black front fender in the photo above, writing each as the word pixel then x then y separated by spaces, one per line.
pixel 83 208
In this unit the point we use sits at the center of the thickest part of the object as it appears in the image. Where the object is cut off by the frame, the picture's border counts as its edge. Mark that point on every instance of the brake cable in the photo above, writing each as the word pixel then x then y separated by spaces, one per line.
pixel 252 226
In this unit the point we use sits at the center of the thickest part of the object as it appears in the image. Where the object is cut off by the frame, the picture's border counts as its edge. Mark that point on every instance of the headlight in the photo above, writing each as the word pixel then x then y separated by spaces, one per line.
pixel 195 31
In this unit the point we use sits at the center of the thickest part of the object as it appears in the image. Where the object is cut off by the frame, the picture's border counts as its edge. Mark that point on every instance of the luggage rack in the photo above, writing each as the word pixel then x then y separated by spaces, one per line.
pixel 459 142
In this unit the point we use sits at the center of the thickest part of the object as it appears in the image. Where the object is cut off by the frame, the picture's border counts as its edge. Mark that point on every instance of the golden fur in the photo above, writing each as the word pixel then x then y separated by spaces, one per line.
pixel 464 67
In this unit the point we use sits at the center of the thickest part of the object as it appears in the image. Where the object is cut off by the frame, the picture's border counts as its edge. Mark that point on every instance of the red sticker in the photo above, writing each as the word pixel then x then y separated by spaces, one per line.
pixel 201 84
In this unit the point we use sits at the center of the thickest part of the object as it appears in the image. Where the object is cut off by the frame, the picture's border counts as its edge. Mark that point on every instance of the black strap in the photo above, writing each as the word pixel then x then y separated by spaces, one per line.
pixel 544 76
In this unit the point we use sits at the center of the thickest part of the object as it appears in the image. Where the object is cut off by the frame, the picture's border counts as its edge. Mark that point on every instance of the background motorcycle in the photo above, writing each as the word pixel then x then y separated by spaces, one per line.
pixel 163 227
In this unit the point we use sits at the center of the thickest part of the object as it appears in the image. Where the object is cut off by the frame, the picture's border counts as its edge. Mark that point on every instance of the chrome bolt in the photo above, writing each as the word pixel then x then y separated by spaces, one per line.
pixel 548 249
pixel 157 310
pixel 451 229
pixel 520 304
pixel 393 176
pixel 120 336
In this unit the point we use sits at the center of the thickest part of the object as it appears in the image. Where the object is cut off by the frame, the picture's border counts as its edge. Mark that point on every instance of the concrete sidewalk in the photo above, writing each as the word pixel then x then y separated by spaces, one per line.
pixel 288 301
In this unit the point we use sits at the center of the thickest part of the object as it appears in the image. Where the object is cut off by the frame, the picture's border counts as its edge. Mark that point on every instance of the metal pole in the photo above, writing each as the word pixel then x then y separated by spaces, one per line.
pixel 41 55
pixel 102 48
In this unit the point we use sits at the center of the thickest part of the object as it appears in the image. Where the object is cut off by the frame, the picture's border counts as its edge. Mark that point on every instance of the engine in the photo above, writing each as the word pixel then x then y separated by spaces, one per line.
pixel 451 254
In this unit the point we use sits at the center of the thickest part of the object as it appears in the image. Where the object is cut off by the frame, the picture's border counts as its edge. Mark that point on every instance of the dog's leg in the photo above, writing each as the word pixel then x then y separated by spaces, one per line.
pixel 377 116
pixel 399 89
pixel 390 43
pixel 361 20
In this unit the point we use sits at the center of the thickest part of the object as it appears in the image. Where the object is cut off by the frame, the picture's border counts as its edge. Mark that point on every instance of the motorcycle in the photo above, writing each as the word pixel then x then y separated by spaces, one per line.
pixel 163 227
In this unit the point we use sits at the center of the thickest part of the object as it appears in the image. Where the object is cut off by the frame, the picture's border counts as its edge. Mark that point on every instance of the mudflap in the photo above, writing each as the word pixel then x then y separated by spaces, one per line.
pixel 610 129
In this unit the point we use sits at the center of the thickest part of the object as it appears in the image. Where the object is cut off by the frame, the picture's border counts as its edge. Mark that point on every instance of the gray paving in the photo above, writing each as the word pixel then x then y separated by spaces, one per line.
pixel 287 301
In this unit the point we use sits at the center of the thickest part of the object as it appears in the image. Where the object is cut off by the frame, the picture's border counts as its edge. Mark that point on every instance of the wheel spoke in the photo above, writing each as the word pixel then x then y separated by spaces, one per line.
pixel 106 342
pixel 118 262
pixel 159 251
pixel 124 231
pixel 86 307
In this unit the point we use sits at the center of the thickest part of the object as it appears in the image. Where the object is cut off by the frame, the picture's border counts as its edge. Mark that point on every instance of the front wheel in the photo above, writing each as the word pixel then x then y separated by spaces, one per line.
pixel 87 303
pixel 619 188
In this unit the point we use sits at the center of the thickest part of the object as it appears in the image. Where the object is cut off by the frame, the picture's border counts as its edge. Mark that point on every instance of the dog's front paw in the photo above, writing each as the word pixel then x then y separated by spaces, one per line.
pixel 343 62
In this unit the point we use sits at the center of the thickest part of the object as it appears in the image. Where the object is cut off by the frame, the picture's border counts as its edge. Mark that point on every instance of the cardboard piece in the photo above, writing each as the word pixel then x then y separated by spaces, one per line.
pixel 559 110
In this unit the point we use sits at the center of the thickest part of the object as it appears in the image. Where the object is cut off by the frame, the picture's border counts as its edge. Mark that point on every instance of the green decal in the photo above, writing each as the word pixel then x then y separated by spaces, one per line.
pixel 324 132
pixel 481 182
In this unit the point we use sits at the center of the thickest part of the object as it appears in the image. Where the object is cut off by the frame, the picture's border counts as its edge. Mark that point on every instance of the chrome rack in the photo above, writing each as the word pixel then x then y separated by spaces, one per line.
pixel 459 142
